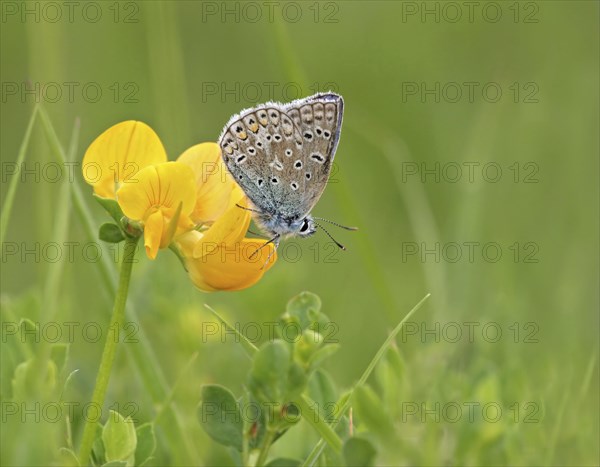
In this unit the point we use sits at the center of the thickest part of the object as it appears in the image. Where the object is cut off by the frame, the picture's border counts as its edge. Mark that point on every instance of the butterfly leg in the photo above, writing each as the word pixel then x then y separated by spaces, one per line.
pixel 275 240
pixel 276 244
pixel 258 234
pixel 248 209
pixel 251 210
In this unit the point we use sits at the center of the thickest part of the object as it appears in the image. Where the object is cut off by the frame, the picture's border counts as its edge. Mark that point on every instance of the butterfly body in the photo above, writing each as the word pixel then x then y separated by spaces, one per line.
pixel 281 156
pixel 276 224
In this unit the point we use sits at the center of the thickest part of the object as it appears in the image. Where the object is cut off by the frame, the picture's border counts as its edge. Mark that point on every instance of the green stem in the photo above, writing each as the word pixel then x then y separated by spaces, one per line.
pixel 246 433
pixel 110 347
pixel 264 450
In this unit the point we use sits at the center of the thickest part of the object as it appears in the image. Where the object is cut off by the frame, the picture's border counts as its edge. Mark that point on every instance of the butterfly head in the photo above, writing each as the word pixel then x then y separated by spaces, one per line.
pixel 306 227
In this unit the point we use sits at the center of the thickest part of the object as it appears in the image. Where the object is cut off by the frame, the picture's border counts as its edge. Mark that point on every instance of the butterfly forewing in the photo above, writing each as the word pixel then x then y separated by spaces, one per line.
pixel 247 143
pixel 281 155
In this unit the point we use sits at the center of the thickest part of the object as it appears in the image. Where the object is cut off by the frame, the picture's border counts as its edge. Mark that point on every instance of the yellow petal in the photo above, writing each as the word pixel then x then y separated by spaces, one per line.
pixel 118 154
pixel 153 230
pixel 230 228
pixel 162 186
pixel 213 182
pixel 187 242
pixel 230 267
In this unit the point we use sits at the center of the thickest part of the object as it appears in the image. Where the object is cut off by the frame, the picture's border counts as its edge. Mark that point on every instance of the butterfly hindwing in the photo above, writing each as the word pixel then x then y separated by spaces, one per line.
pixel 319 120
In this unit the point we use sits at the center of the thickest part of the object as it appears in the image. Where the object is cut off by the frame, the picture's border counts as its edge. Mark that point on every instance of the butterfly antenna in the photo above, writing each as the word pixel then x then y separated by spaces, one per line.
pixel 341 247
pixel 335 223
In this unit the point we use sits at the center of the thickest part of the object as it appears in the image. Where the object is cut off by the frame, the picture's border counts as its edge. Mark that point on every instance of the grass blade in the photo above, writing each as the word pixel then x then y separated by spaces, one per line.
pixel 12 187
pixel 248 346
pixel 314 419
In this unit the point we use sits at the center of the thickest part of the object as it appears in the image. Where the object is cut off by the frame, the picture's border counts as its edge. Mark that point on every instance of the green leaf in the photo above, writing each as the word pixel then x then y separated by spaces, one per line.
pixel 98 455
pixel 322 354
pixel 115 464
pixel 67 458
pixel 359 452
pixel 29 331
pixel 370 411
pixel 321 389
pixel 111 206
pixel 305 304
pixel 396 361
pixel 111 233
pixel 307 345
pixel 302 314
pixel 389 375
pixel 146 443
pixel 8 366
pixel 26 384
pixel 284 462
pixel 220 416
pixel 303 311
pixel 59 353
pixel 488 391
pixel 119 438
pixel 274 376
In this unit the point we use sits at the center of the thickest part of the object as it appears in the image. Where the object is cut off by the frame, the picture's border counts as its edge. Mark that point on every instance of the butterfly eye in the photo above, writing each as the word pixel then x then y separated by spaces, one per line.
pixel 304 227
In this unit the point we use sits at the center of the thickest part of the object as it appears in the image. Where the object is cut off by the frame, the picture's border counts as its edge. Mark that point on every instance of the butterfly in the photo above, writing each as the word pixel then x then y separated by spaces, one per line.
pixel 281 156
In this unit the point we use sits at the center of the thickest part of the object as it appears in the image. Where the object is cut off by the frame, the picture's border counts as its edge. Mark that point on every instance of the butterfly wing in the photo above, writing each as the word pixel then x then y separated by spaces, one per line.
pixel 319 119
pixel 281 155
pixel 253 145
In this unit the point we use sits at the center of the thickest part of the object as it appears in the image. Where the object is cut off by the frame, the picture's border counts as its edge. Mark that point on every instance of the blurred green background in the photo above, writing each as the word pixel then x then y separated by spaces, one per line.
pixel 184 67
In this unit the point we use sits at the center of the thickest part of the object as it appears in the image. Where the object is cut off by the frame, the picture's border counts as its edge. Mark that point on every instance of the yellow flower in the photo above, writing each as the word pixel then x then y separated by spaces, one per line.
pixel 214 185
pixel 155 196
pixel 191 203
pixel 220 258
pixel 118 154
